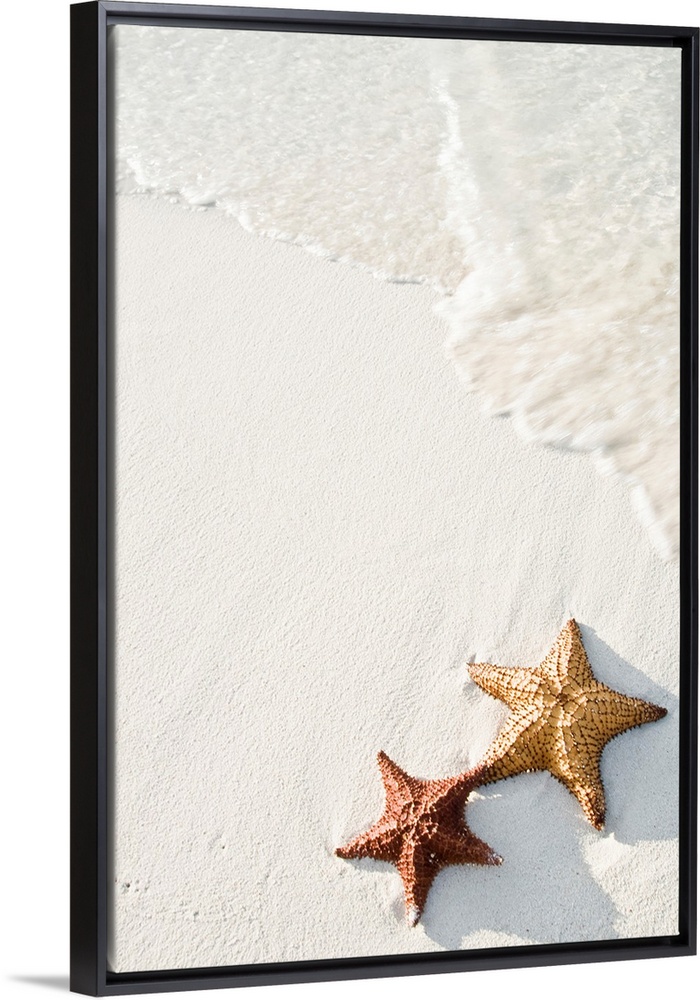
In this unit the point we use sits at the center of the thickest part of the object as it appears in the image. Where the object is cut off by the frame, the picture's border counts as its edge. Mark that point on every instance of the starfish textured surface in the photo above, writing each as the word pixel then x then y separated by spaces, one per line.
pixel 422 831
pixel 561 719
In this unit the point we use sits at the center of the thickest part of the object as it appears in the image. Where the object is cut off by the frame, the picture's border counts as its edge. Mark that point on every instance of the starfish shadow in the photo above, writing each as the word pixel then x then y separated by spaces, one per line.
pixel 543 892
pixel 639 767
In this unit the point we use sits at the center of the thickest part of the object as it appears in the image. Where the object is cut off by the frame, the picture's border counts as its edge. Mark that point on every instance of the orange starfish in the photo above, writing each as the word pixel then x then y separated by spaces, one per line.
pixel 421 831
pixel 561 719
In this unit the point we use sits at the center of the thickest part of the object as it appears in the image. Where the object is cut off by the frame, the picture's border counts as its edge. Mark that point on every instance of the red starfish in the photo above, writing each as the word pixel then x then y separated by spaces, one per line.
pixel 422 831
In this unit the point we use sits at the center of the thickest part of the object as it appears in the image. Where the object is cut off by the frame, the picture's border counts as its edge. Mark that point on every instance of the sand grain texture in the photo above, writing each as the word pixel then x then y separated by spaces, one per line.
pixel 316 528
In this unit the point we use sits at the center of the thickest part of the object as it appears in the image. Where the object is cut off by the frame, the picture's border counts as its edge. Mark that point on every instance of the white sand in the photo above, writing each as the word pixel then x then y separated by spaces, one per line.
pixel 316 529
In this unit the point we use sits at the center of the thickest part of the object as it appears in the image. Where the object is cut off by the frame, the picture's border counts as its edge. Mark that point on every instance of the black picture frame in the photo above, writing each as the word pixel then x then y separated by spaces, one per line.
pixel 91 501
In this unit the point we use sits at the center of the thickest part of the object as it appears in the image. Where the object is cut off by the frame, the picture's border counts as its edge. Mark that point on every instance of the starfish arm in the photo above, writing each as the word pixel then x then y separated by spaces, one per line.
pixel 381 842
pixel 462 847
pixel 576 763
pixel 520 746
pixel 418 866
pixel 512 685
pixel 567 661
pixel 612 713
pixel 398 785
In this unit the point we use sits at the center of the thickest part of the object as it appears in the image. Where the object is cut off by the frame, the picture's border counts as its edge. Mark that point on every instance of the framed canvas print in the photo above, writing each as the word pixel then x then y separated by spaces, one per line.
pixel 384 510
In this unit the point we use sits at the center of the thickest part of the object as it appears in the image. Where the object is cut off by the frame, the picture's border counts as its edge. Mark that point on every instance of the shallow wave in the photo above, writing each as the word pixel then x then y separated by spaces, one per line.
pixel 569 320
pixel 338 155
pixel 536 186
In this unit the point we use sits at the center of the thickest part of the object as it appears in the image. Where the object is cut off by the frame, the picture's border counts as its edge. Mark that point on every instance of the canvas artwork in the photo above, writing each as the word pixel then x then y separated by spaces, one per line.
pixel 396 495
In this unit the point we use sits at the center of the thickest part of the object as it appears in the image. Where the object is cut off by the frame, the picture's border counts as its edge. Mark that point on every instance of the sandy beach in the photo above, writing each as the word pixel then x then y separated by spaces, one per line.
pixel 317 528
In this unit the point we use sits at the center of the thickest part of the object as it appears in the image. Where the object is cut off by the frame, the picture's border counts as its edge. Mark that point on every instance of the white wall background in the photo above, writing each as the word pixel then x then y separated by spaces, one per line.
pixel 34 516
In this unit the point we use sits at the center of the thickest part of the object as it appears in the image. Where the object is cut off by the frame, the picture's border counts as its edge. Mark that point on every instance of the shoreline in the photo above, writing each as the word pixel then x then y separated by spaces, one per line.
pixel 561 281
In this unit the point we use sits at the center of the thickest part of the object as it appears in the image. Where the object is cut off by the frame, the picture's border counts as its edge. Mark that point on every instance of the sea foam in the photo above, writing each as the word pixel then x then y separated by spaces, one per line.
pixel 535 186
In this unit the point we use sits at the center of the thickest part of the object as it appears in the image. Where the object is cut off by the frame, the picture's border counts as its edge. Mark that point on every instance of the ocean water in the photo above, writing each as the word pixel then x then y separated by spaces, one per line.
pixel 534 186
